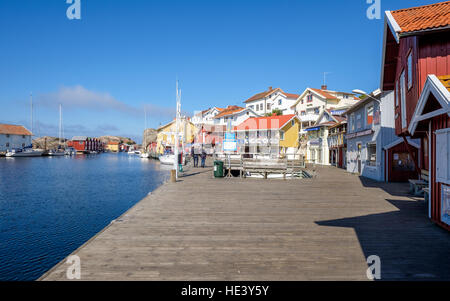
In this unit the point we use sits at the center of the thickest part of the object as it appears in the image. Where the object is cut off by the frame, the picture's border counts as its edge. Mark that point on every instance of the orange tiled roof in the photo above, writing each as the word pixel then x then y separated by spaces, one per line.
pixel 12 129
pixel 113 143
pixel 290 95
pixel 264 123
pixel 423 17
pixel 229 110
pixel 445 80
pixel 324 93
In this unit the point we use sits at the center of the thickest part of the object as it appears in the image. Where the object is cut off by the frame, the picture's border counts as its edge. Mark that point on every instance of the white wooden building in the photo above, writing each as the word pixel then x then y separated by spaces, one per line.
pixel 14 137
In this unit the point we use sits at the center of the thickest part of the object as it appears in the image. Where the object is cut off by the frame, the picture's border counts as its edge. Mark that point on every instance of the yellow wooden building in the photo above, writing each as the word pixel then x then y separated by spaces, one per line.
pixel 166 134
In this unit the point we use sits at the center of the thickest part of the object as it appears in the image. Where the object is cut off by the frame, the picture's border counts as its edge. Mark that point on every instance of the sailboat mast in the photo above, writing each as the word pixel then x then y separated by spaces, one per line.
pixel 176 130
pixel 31 101
pixel 145 128
pixel 60 124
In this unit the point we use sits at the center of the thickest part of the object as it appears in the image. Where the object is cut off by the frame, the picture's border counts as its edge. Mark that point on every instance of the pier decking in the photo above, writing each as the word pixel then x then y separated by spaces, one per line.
pixel 247 229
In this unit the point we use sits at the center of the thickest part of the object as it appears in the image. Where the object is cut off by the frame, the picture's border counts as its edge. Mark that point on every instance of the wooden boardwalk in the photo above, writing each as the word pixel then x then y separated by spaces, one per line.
pixel 246 229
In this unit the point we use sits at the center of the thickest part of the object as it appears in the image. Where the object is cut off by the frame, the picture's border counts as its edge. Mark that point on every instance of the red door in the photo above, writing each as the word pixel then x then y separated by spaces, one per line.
pixel 400 164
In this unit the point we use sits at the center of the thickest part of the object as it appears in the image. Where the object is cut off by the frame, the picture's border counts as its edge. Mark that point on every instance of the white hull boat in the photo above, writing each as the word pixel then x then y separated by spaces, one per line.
pixel 55 154
pixel 145 155
pixel 25 153
pixel 167 159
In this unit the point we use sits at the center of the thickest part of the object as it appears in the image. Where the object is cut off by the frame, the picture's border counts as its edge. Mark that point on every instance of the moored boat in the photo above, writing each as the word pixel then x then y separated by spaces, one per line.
pixel 145 155
pixel 24 153
pixel 167 159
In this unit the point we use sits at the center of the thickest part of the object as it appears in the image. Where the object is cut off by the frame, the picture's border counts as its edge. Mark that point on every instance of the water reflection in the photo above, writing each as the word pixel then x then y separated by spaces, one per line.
pixel 49 206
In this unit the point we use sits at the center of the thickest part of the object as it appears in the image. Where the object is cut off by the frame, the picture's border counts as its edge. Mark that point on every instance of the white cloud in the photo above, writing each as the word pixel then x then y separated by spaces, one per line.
pixel 78 97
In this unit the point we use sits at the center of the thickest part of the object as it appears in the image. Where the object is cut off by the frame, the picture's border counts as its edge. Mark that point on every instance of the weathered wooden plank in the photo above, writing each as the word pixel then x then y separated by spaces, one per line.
pixel 323 228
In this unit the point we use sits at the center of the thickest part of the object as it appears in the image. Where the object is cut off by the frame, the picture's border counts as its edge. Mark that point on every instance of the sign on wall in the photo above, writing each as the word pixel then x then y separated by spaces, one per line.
pixel 230 142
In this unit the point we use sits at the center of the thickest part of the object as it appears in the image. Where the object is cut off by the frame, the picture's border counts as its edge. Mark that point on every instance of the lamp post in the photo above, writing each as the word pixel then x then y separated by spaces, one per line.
pixel 375 93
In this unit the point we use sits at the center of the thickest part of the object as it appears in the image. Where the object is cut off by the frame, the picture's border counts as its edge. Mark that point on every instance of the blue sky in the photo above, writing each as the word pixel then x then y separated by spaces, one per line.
pixel 126 54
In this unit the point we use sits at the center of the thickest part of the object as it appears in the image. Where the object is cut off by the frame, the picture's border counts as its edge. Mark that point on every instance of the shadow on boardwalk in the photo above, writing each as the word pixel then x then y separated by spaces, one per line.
pixel 409 245
pixel 324 228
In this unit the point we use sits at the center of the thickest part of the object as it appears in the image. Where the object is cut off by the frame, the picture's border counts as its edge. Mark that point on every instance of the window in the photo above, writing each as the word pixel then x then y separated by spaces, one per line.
pixel 281 135
pixel 352 121
pixel 252 107
pixel 261 107
pixel 302 101
pixel 371 154
pixel 7 135
pixel 410 70
pixel 358 121
pixel 402 162
pixel 309 97
pixel 23 136
pixel 316 111
pixel 303 113
pixel 23 144
pixel 443 156
pixel 7 144
pixel 369 110
pixel 268 106
pixel 397 93
pixel 280 101
pixel 403 98
pixel 293 122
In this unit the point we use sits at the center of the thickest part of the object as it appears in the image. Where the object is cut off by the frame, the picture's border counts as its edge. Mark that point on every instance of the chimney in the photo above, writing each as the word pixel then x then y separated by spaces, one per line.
pixel 324 87
pixel 270 88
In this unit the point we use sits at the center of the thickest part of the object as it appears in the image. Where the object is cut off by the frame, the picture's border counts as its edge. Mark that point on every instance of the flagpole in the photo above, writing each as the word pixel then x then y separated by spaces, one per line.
pixel 178 95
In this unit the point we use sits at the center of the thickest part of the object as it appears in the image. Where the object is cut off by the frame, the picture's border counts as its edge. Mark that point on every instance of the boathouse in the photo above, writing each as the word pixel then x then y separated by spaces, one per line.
pixel 416 65
pixel 84 144
pixel 14 137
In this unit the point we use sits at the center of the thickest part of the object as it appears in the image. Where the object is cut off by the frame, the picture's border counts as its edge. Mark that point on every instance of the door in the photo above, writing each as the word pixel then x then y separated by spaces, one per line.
pixel 359 157
pixel 400 164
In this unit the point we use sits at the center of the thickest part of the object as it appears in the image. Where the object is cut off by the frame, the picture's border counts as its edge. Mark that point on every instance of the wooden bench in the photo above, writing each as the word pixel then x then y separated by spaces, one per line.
pixel 416 186
pixel 265 167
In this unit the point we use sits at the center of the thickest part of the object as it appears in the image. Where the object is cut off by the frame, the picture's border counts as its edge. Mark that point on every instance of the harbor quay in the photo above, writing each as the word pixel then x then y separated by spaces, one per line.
pixel 327 227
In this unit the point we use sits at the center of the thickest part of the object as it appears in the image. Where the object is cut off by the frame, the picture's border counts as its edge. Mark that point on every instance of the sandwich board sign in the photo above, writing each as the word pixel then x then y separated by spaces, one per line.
pixel 230 142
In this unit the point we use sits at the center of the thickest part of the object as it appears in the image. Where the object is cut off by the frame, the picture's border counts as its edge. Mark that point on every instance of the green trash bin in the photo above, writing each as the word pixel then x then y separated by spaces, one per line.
pixel 218 169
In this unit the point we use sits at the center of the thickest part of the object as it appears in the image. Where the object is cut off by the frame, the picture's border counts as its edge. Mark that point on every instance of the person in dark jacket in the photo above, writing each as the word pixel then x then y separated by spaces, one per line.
pixel 203 158
pixel 194 156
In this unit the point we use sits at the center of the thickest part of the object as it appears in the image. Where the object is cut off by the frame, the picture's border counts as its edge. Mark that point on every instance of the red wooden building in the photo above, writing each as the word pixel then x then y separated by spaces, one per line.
pixel 85 144
pixel 416 65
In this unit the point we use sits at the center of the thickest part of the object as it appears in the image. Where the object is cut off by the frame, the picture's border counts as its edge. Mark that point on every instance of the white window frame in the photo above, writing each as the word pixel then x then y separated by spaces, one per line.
pixel 443 156
pixel 403 98
pixel 368 145
pixel 281 135
pixel 410 70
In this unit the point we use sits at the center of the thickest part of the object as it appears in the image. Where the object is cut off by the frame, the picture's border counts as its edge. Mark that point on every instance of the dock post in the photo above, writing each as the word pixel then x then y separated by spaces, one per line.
pixel 173 176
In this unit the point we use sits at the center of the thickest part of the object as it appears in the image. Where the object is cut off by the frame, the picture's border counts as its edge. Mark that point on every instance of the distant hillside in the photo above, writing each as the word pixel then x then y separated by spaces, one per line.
pixel 48 142
pixel 106 139
pixel 149 136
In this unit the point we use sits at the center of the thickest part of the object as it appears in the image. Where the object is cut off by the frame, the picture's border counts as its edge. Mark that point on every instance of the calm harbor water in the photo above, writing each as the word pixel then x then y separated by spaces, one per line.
pixel 49 206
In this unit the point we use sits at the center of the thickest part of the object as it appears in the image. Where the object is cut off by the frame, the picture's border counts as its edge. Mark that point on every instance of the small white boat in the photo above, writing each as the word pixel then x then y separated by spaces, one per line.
pixel 145 155
pixel 70 151
pixel 167 159
pixel 24 153
pixel 56 153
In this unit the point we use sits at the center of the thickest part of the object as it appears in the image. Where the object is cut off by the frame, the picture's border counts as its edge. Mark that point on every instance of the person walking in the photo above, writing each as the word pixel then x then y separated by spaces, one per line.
pixel 194 156
pixel 203 158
